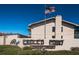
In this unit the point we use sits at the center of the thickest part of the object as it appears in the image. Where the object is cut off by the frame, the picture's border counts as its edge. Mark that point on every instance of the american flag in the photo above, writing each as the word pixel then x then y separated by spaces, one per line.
pixel 49 10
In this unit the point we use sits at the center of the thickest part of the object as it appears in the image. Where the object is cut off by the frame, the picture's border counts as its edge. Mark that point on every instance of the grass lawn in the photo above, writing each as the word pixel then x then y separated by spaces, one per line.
pixel 15 50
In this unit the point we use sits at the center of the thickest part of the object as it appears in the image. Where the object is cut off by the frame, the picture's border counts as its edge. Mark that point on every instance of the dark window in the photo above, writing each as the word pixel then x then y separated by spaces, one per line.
pixel 61 29
pixel 56 42
pixel 42 41
pixel 25 42
pixel 53 36
pixel 76 34
pixel 61 37
pixel 53 29
pixel 28 42
pixel 32 42
pixel 52 43
pixel 38 41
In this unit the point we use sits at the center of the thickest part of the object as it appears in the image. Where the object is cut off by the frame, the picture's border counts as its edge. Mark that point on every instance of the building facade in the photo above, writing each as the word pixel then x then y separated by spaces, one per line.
pixel 12 39
pixel 51 34
pixel 56 32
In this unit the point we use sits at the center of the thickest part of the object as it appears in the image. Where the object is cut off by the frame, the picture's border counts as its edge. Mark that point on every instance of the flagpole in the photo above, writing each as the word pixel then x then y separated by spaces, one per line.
pixel 45 25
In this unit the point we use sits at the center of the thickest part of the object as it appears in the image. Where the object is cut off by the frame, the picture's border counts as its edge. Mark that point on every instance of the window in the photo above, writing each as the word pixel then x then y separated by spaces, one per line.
pixel 76 33
pixel 32 42
pixel 61 37
pixel 53 29
pixel 25 42
pixel 42 41
pixel 28 42
pixel 56 42
pixel 52 43
pixel 38 41
pixel 61 29
pixel 53 36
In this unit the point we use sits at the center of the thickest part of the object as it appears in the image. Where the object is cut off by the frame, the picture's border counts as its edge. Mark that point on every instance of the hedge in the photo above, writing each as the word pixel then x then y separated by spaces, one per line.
pixel 27 48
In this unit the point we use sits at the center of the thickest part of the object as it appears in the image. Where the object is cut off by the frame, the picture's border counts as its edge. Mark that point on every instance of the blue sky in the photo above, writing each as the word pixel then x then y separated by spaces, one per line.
pixel 15 18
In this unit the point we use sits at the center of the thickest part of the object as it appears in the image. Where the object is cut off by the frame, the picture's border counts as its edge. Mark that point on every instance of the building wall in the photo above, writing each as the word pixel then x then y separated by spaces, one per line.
pixel 49 32
pixel 68 34
pixel 75 43
pixel 38 32
pixel 21 42
pixel 1 40
pixel 9 38
pixel 68 37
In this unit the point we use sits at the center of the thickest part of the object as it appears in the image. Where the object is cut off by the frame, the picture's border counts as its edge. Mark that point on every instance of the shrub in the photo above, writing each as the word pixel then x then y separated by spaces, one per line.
pixel 75 49
pixel 63 52
pixel 27 48
pixel 31 52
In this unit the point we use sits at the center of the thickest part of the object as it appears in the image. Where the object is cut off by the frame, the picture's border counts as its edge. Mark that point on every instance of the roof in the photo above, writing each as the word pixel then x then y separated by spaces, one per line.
pixel 1 33
pixel 41 21
pixel 54 19
pixel 19 35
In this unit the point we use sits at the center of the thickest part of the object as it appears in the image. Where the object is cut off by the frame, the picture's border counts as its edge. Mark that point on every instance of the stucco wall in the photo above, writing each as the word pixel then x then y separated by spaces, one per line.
pixel 9 38
pixel 68 34
pixel 1 40
pixel 75 43
pixel 21 42
pixel 68 37
pixel 38 32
